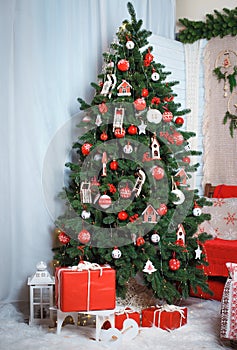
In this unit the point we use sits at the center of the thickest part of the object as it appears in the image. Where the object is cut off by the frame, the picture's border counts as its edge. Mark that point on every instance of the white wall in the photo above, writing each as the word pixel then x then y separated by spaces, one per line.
pixel 197 10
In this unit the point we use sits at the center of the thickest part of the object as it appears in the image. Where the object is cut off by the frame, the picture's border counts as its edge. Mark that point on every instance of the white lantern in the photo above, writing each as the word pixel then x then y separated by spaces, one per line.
pixel 41 295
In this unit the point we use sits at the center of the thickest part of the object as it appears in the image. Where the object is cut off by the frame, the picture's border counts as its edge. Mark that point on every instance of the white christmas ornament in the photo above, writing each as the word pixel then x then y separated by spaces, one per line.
pixel 98 120
pixel 149 267
pixel 85 214
pixel 130 45
pixel 155 238
pixel 197 211
pixel 154 116
pixel 116 253
pixel 155 76
pixel 180 195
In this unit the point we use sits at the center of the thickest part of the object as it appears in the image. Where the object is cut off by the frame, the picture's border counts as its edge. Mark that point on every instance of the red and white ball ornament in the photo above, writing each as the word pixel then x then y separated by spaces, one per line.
pixel 162 210
pixel 122 215
pixel 174 264
pixel 158 172
pixel 85 148
pixel 140 104
pixel 116 253
pixel 123 65
pixel 167 116
pixel 105 201
pixel 178 138
pixel 84 236
pixel 125 192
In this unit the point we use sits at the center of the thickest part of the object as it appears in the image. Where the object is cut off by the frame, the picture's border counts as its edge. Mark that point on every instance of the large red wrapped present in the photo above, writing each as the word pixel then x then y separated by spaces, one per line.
pixel 85 287
pixel 166 317
pixel 122 315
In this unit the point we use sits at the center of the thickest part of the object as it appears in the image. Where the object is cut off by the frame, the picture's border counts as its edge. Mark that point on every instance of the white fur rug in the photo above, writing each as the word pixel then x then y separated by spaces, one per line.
pixel 200 332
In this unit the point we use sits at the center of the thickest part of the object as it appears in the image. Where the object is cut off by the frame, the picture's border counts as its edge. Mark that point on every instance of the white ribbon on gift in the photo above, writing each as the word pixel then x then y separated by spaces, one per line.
pixel 125 311
pixel 168 308
pixel 83 266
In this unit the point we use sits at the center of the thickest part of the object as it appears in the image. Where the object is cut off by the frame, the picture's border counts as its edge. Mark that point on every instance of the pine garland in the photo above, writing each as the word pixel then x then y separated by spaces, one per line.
pixel 219 24
pixel 233 122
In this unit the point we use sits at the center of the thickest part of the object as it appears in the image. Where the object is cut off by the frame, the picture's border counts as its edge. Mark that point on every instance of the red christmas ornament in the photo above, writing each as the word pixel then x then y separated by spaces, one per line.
pixel 86 148
pixel 125 192
pixel 123 65
pixel 132 130
pixel 84 236
pixel 167 116
pixel 158 173
pixel 139 104
pixel 113 165
pixel 174 264
pixel 104 136
pixel 145 92
pixel 162 210
pixel 186 160
pixel 140 241
pixel 119 133
pixel 179 121
pixel 122 215
pixel 63 238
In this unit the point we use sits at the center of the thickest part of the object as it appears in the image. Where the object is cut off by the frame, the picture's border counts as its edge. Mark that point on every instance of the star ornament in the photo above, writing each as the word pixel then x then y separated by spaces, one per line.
pixel 198 252
pixel 142 128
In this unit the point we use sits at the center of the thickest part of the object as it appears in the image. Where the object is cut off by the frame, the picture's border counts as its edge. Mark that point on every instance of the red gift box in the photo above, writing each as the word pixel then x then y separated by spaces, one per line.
pixel 85 288
pixel 166 317
pixel 120 317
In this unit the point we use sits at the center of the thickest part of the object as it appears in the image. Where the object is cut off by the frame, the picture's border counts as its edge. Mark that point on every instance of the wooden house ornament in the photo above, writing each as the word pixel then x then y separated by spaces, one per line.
pixel 183 175
pixel 180 234
pixel 150 215
pixel 118 118
pixel 85 192
pixel 155 148
pixel 124 89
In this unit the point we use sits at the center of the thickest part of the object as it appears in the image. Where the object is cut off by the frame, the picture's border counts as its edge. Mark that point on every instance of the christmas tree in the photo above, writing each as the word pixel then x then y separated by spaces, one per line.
pixel 128 201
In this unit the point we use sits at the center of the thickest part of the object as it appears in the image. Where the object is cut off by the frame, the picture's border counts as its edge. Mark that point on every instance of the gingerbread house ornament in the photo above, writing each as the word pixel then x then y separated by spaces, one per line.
pixel 155 148
pixel 150 215
pixel 180 234
pixel 124 89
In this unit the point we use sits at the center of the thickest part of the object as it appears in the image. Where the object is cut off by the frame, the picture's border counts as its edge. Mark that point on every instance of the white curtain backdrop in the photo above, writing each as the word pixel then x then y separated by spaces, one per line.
pixel 50 52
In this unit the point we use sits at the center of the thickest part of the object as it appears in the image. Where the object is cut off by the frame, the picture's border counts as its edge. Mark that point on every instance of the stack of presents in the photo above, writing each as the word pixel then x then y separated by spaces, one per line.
pixel 91 289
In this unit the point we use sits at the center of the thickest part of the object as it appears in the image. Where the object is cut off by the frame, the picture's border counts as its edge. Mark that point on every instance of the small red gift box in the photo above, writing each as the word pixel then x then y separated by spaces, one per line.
pixel 85 287
pixel 166 317
pixel 120 317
